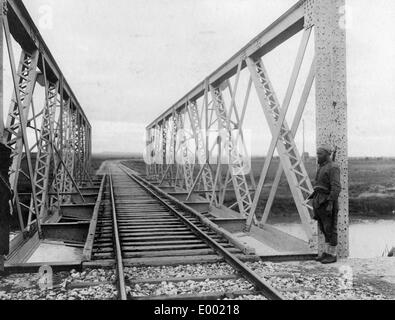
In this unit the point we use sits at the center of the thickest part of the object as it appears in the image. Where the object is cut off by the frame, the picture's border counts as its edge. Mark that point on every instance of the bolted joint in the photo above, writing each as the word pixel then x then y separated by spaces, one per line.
pixel 309 14
pixel 5 7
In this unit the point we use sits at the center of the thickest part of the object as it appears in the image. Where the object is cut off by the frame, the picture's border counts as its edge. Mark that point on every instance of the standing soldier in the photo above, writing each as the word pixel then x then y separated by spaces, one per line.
pixel 5 196
pixel 325 202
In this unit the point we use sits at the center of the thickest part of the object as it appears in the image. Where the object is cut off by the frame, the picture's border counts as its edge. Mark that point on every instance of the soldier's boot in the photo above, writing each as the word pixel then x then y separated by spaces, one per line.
pixel 324 253
pixel 329 259
pixel 321 257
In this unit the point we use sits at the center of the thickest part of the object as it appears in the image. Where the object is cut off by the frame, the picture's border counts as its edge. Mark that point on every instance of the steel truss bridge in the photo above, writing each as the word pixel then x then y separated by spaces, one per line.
pixel 196 150
pixel 182 153
pixel 57 131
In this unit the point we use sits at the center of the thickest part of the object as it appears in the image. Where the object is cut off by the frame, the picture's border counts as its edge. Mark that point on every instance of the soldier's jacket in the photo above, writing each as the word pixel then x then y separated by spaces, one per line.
pixel 5 163
pixel 327 184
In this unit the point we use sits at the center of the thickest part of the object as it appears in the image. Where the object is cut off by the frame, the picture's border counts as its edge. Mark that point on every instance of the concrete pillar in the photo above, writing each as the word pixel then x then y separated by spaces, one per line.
pixel 331 96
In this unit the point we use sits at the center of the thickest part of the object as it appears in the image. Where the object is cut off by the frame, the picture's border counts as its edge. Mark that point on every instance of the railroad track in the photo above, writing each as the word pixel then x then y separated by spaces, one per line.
pixel 141 226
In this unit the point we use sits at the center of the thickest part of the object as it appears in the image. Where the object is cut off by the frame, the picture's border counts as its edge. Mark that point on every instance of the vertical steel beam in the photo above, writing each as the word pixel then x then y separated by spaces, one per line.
pixel 157 151
pixel 70 150
pixel 202 155
pixel 57 182
pixel 151 150
pixel 56 198
pixel 67 152
pixel 169 158
pixel 45 153
pixel 61 124
pixel 187 165
pixel 236 163
pixel 173 150
pixel 180 180
pixel 147 153
pixel 164 153
pixel 331 97
pixel 24 80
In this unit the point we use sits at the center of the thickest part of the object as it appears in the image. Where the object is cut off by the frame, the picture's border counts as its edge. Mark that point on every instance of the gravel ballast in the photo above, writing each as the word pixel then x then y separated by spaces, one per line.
pixel 296 281
pixel 26 286
pixel 190 287
pixel 305 280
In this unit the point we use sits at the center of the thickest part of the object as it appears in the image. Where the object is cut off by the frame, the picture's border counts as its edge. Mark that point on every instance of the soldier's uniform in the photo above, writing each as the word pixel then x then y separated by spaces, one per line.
pixel 327 188
pixel 5 196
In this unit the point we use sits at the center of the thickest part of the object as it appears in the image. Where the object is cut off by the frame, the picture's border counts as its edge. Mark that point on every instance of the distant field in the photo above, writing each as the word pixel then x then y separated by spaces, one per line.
pixel 98 159
pixel 365 175
pixel 371 186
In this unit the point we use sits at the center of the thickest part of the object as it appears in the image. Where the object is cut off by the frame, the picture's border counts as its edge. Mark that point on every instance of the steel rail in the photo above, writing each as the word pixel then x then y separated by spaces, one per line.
pixel 261 285
pixel 87 253
pixel 119 262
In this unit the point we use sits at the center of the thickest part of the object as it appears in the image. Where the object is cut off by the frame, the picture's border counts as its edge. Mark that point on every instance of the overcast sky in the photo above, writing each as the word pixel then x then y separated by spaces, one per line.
pixel 129 60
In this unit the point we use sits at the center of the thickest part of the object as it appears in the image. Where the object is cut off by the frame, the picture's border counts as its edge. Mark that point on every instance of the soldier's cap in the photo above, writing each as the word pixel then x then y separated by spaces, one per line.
pixel 326 148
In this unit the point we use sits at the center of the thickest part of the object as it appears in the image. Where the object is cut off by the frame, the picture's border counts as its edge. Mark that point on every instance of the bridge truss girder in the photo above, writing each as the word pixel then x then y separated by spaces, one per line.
pixel 57 131
pixel 220 113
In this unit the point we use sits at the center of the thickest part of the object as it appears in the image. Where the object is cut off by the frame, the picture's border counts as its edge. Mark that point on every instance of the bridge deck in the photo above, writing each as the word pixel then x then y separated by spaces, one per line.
pixel 65 236
pixel 268 242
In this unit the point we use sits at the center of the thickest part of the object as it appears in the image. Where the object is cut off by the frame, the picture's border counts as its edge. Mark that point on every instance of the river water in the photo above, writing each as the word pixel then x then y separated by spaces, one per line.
pixel 369 238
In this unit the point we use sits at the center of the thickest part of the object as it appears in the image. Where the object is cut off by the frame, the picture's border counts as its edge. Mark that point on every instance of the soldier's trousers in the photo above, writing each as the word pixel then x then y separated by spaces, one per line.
pixel 327 222
pixel 4 221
